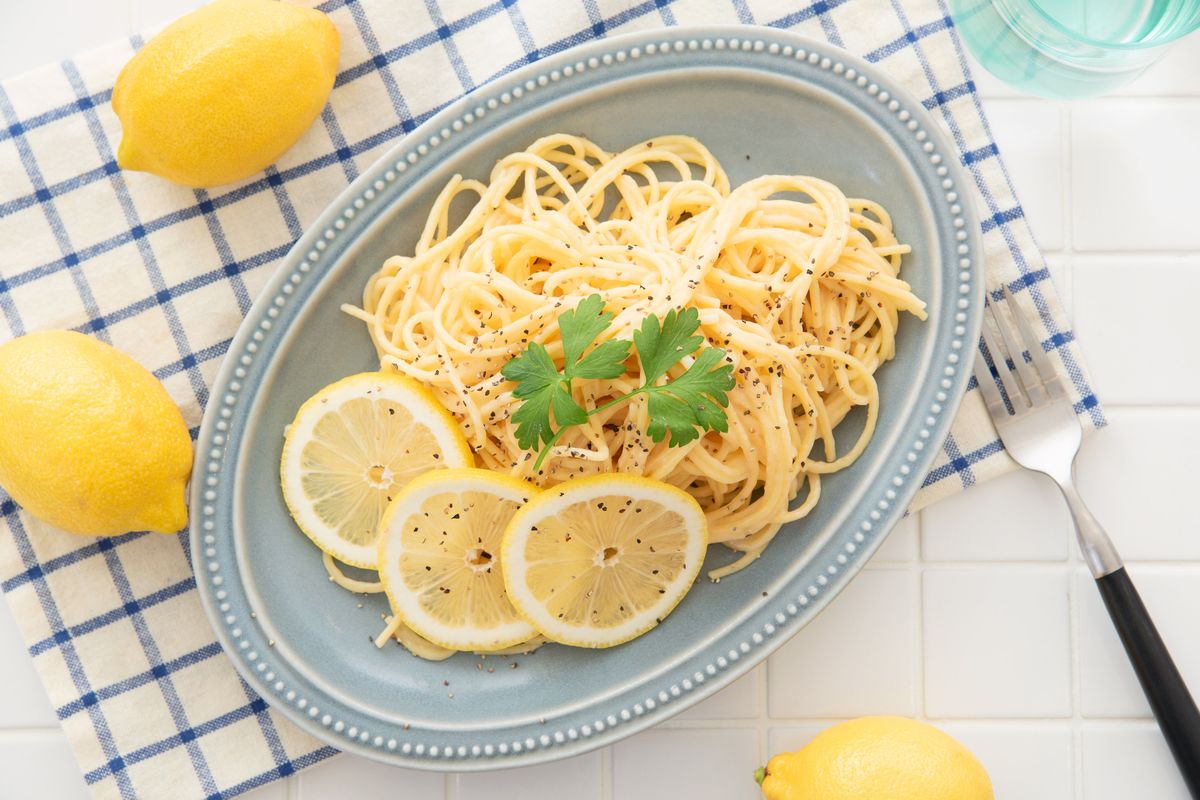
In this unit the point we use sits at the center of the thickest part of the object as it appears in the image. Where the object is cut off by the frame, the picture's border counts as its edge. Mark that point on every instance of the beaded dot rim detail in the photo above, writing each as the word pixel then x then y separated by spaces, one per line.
pixel 419 748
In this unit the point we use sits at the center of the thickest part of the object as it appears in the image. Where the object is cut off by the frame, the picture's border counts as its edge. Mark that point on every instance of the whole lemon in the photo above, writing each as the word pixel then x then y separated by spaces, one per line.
pixel 222 92
pixel 873 758
pixel 90 441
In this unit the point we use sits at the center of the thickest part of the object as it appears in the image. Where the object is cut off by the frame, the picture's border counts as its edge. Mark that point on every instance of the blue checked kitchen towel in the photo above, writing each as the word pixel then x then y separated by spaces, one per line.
pixel 151 706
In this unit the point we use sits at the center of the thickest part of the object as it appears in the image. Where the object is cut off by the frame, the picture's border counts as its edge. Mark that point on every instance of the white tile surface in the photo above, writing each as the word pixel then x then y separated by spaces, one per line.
pixel 39 765
pixel 792 737
pixel 577 778
pixel 1029 135
pixel 33 34
pixel 994 634
pixel 822 672
pixel 997 642
pixel 1025 761
pixel 1107 684
pixel 271 791
pixel 1030 762
pixel 1017 517
pixel 352 776
pixel 1175 74
pixel 738 700
pixel 149 14
pixel 23 701
pixel 1138 477
pixel 692 764
pixel 1062 275
pixel 900 546
pixel 1126 761
pixel 1123 368
pixel 1134 167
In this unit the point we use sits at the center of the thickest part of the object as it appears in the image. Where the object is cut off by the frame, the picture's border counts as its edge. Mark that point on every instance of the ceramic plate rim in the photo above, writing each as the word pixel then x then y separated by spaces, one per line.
pixel 304 261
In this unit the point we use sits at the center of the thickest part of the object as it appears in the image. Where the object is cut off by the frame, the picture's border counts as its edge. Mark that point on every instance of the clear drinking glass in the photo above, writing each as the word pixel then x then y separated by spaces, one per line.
pixel 1071 48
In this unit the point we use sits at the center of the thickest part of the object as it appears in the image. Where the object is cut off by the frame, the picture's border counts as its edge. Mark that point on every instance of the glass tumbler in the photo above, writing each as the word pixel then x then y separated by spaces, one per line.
pixel 1071 48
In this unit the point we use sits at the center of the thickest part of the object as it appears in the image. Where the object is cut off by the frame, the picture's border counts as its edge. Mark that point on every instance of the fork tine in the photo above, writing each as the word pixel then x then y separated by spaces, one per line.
pixel 1030 381
pixel 987 386
pixel 1010 382
pixel 1045 369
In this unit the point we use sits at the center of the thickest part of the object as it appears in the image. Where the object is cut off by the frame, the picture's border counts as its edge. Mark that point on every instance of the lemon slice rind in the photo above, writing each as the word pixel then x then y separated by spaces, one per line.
pixel 403 391
pixel 410 505
pixel 553 502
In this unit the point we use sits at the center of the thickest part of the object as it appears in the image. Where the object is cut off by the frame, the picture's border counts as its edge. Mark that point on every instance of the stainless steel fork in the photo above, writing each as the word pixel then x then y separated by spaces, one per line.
pixel 1036 421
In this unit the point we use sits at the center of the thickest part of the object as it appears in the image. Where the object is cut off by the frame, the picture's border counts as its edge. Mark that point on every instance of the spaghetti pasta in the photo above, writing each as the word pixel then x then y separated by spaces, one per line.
pixel 797 283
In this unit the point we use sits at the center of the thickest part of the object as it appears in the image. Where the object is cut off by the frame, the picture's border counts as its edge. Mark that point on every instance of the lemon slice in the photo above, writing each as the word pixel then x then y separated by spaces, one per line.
pixel 352 447
pixel 600 560
pixel 439 558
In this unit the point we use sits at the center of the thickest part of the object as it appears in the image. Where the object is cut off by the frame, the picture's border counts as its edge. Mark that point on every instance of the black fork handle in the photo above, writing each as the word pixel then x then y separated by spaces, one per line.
pixel 1169 698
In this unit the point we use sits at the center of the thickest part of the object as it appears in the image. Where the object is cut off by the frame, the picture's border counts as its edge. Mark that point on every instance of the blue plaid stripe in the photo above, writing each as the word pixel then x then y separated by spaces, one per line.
pixel 447 40
pixel 9 509
pixel 141 679
pixel 138 233
pixel 911 37
pixel 69 653
pixel 280 771
pixel 186 736
pixel 46 203
pixel 1038 290
pixel 124 611
pixel 816 11
pixel 960 463
pixel 18 128
pixel 949 94
pixel 153 656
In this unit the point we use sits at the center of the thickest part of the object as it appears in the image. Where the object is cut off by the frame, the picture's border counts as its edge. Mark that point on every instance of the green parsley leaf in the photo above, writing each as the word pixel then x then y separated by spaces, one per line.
pixel 694 400
pixel 579 327
pixel 684 407
pixel 532 370
pixel 660 346
pixel 542 388
pixel 566 411
pixel 607 360
pixel 533 421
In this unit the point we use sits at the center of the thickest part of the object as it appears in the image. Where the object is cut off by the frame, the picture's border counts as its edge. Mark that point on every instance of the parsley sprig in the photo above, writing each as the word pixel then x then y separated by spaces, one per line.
pixel 683 406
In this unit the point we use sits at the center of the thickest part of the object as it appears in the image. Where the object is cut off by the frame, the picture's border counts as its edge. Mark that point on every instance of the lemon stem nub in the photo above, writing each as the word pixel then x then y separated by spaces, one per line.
pixel 760 775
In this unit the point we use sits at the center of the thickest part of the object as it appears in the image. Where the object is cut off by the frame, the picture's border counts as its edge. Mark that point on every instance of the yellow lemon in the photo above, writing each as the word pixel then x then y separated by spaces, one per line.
pixel 90 441
pixel 439 558
pixel 350 450
pixel 877 757
pixel 222 92
pixel 600 560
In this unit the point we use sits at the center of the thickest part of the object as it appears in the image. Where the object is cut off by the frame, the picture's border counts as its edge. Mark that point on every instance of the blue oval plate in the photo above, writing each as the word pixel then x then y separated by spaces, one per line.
pixel 764 101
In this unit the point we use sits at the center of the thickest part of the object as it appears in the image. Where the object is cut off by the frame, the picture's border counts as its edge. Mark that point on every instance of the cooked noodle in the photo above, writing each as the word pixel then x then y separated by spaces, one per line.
pixel 796 282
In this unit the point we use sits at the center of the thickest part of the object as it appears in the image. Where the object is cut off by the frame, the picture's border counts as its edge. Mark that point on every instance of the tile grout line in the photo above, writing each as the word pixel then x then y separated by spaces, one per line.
pixel 1066 153
pixel 1161 256
pixel 1076 688
pixel 763 717
pixel 1181 564
pixel 606 773
pixel 1161 407
pixel 990 98
pixel 744 724
pixel 791 722
pixel 917 568
pixel 1073 556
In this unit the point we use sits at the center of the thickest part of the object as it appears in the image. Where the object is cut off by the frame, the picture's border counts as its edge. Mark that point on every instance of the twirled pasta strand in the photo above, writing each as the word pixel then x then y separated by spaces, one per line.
pixel 796 282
